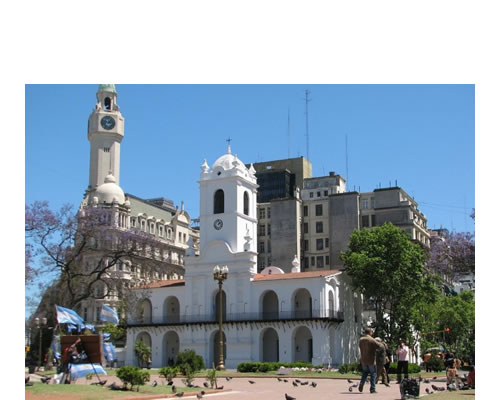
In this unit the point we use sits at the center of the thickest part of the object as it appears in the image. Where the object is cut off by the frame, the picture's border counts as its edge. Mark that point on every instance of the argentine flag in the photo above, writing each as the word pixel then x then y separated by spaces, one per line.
pixel 108 314
pixel 109 351
pixel 67 316
pixel 81 370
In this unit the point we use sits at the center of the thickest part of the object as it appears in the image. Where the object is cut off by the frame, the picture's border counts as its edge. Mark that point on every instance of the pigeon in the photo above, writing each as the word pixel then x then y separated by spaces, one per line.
pixel 199 396
pixel 220 387
pixel 154 384
pixel 251 382
pixel 180 394
pixel 279 379
pixel 354 385
pixel 228 378
pixel 285 380
pixel 202 392
pixel 45 379
pixel 288 397
pixel 348 380
pixel 174 389
pixel 435 377
pixel 428 391
pixel 350 388
pixel 427 381
pixel 297 380
pixel 314 384
pixel 205 384
pixel 102 383
pixel 304 383
pixel 27 379
pixel 170 383
pixel 294 384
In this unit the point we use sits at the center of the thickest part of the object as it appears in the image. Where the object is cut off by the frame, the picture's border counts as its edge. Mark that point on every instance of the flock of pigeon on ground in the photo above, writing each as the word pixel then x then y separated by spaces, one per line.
pixel 295 383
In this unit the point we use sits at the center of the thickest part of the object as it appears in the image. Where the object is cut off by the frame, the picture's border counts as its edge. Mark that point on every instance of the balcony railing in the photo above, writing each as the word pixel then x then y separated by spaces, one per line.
pixel 243 316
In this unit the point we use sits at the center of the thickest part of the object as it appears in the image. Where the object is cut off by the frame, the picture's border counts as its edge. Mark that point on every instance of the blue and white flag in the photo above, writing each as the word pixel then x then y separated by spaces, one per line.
pixel 108 314
pixel 109 351
pixel 90 327
pixel 71 327
pixel 56 347
pixel 81 370
pixel 67 316
pixel 106 336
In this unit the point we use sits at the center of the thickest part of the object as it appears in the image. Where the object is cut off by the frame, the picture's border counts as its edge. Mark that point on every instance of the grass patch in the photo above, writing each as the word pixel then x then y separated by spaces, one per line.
pixel 93 392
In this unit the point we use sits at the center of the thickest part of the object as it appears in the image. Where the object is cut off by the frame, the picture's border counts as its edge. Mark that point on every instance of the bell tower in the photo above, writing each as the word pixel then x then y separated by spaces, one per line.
pixel 105 133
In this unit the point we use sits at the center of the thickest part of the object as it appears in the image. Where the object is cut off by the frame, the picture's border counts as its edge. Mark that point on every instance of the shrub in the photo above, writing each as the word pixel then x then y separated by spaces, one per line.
pixel 354 367
pixel 435 363
pixel 212 377
pixel 189 373
pixel 133 376
pixel 168 373
pixel 271 366
pixel 189 357
pixel 412 368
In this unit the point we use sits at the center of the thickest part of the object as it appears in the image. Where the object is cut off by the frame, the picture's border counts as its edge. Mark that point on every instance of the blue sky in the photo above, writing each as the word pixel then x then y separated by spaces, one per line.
pixel 420 135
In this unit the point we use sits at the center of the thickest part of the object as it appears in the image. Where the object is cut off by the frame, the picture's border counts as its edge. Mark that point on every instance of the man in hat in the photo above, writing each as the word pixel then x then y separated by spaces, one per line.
pixel 368 346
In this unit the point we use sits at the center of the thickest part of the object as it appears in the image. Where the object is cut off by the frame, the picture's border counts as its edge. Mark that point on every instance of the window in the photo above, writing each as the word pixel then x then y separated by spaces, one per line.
pixel 261 247
pixel 269 229
pixel 306 227
pixel 245 203
pixel 325 192
pixel 120 266
pixel 327 243
pixel 327 260
pixel 98 313
pixel 85 311
pixel 106 149
pixel 132 222
pixel 319 244
pixel 374 220
pixel 160 231
pixel 319 263
pixel 319 227
pixel 152 228
pixel 268 246
pixel 262 230
pixel 143 226
pixel 319 210
pixel 318 194
pixel 306 245
pixel 311 194
pixel 313 259
pixel 219 202
pixel 306 211
pixel 306 262
pixel 364 221
pixel 372 202
pixel 364 204
pixel 262 213
pixel 268 212
pixel 107 104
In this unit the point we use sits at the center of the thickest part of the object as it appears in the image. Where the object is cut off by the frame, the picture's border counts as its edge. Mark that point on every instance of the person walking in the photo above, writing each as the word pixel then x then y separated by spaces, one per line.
pixel 403 356
pixel 368 346
pixel 380 358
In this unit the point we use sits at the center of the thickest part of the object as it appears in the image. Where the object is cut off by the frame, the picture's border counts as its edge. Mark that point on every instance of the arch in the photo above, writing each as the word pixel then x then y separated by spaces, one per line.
pixel 270 306
pixel 302 303
pixel 216 306
pixel 107 104
pixel 269 345
pixel 145 311
pixel 146 338
pixel 170 348
pixel 219 202
pixel 246 201
pixel 215 347
pixel 171 310
pixel 302 343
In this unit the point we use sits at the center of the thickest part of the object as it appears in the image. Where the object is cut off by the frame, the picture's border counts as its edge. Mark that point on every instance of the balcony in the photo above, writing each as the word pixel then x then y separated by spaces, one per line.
pixel 325 315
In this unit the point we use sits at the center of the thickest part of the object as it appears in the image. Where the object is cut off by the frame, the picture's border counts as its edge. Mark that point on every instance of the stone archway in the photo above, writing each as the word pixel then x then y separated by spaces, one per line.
pixel 170 348
pixel 302 344
pixel 171 310
pixel 302 303
pixel 270 345
pixel 270 306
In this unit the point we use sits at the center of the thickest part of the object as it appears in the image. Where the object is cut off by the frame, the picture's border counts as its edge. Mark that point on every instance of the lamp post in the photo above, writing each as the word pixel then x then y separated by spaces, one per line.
pixel 220 275
pixel 40 325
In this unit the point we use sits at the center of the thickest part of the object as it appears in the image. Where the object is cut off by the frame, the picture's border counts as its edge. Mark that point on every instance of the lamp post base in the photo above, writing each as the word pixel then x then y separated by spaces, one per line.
pixel 221 367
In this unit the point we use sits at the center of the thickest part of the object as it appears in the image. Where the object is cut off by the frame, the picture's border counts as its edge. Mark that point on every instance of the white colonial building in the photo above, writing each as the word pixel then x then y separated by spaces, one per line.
pixel 268 316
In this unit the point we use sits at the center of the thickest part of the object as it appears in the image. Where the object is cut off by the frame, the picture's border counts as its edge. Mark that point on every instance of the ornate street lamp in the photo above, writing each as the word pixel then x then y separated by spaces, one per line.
pixel 40 326
pixel 220 275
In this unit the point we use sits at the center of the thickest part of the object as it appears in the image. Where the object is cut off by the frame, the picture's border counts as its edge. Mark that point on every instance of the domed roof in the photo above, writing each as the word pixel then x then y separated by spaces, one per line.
pixel 228 161
pixel 109 191
pixel 107 88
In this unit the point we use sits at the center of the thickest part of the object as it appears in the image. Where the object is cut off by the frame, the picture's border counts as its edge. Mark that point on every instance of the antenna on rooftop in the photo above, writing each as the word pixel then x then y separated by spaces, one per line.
pixel 307 123
pixel 346 166
pixel 228 140
pixel 288 132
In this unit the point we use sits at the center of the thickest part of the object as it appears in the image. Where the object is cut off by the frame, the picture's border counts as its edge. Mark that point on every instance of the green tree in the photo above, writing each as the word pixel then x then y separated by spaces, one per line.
pixel 143 352
pixel 117 332
pixel 388 269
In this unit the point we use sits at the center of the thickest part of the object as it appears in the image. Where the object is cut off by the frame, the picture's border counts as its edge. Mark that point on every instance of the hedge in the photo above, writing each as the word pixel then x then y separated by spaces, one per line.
pixel 272 366
pixel 355 367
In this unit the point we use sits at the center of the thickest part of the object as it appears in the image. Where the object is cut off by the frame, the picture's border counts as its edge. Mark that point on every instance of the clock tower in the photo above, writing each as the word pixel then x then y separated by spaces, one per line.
pixel 105 132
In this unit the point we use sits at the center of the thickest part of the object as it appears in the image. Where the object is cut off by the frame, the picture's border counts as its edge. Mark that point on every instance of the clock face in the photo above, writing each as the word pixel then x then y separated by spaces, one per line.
pixel 218 224
pixel 108 122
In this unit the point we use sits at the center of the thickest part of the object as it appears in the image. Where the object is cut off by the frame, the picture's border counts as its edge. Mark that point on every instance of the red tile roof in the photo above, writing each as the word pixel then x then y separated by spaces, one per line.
pixel 294 275
pixel 160 284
